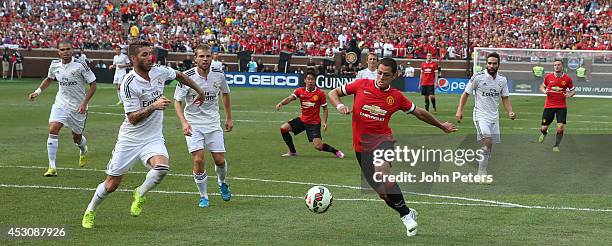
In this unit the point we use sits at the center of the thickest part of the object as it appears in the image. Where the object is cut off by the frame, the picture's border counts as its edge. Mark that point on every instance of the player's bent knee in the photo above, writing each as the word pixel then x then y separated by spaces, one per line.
pixel 319 147
pixel 284 129
pixel 560 130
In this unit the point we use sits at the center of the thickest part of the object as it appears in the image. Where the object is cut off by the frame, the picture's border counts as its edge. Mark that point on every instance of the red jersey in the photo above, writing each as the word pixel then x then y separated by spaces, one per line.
pixel 556 88
pixel 311 103
pixel 428 70
pixel 372 110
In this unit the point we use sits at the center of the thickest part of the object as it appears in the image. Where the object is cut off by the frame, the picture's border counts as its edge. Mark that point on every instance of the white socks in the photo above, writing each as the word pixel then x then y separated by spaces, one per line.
pixel 97 198
pixel 482 165
pixel 154 177
pixel 52 145
pixel 201 180
pixel 221 173
pixel 83 145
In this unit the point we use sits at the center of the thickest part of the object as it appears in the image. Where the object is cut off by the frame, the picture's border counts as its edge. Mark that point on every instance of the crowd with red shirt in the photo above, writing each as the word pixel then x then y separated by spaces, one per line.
pixel 404 28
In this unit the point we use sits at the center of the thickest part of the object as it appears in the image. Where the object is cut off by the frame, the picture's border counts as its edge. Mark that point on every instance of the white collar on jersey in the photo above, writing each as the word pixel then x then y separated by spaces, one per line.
pixel 555 74
pixel 376 85
pixel 306 88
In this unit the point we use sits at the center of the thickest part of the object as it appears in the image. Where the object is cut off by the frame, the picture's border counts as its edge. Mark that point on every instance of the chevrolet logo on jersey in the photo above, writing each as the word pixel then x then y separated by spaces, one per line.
pixel 308 104
pixel 556 88
pixel 374 110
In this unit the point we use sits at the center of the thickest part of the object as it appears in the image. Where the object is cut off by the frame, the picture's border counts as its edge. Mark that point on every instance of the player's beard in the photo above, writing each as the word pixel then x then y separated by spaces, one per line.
pixel 492 71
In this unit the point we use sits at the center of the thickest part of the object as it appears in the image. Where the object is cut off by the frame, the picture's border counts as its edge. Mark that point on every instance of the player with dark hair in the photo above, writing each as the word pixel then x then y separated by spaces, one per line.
pixel 375 102
pixel 429 81
pixel 312 98
pixel 555 86
pixel 140 136
pixel 487 87
pixel 71 102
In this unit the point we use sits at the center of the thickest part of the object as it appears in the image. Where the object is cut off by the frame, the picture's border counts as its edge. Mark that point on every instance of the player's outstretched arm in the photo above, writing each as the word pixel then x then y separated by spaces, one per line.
pixel 428 118
pixel 334 99
pixel 43 85
pixel 92 89
pixel 227 106
pixel 137 116
pixel 284 102
pixel 508 107
pixel 185 80
pixel 461 106
pixel 178 108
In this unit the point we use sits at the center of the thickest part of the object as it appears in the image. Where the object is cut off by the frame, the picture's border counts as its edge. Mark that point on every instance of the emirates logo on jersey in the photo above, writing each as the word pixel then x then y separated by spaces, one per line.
pixel 390 100
pixel 374 110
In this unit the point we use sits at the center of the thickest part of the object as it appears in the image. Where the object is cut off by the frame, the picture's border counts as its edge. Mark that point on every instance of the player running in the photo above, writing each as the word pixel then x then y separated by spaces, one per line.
pixel 70 106
pixel 312 98
pixel 120 63
pixel 140 136
pixel 201 123
pixel 487 87
pixel 555 87
pixel 375 102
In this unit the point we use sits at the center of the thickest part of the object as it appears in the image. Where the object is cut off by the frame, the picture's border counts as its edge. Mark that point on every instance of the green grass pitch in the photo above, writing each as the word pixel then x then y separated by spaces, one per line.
pixel 267 207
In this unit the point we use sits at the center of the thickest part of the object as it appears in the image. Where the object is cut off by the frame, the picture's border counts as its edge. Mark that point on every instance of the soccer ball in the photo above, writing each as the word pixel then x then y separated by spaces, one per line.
pixel 318 199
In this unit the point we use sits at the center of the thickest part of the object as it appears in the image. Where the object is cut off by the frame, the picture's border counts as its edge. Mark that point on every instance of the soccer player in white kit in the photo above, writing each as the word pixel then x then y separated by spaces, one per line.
pixel 120 63
pixel 70 106
pixel 487 87
pixel 370 72
pixel 201 123
pixel 140 136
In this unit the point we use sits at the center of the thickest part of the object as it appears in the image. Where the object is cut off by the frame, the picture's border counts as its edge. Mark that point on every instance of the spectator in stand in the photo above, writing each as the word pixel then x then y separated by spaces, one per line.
pixel 6 63
pixel 252 65
pixel 234 26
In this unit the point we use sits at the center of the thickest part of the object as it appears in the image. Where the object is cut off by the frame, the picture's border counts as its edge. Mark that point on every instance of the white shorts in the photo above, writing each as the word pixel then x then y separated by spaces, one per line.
pixel 486 129
pixel 118 78
pixel 213 141
pixel 68 118
pixel 125 154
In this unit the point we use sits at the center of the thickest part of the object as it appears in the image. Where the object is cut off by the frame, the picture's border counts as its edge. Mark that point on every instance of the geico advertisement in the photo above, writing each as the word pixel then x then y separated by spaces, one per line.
pixel 263 79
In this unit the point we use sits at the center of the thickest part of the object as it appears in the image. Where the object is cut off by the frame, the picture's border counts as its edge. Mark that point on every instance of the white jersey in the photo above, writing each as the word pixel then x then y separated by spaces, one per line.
pixel 366 74
pixel 120 59
pixel 487 92
pixel 138 93
pixel 204 116
pixel 71 78
pixel 409 72
pixel 216 65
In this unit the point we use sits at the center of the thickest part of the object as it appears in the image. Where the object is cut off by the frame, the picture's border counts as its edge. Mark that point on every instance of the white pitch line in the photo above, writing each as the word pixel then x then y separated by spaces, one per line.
pixel 410 125
pixel 299 183
pixel 299 197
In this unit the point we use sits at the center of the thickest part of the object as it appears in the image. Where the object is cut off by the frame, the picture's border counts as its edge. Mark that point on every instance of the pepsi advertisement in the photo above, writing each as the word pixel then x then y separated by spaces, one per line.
pixel 445 85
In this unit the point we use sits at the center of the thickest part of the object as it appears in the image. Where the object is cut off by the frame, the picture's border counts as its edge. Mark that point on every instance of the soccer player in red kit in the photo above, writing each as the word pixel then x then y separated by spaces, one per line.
pixel 429 81
pixel 555 87
pixel 375 102
pixel 312 98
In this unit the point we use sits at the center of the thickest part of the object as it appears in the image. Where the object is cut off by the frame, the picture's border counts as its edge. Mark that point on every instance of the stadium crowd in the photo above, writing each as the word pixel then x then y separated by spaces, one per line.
pixel 403 28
